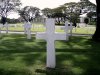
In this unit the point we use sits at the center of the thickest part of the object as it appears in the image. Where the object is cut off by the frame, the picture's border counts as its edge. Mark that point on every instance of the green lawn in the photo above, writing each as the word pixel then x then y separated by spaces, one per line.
pixel 19 56
pixel 40 28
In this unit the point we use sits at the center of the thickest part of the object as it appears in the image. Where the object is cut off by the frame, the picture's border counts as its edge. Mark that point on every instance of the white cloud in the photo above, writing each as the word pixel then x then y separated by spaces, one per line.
pixel 93 1
pixel 13 15
pixel 45 3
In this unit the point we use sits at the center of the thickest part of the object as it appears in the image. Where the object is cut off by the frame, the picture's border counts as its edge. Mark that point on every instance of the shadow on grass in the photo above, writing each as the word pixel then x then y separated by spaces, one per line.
pixel 82 59
pixel 31 59
pixel 80 63
pixel 56 71
pixel 77 61
pixel 78 44
pixel 74 64
pixel 15 72
pixel 19 44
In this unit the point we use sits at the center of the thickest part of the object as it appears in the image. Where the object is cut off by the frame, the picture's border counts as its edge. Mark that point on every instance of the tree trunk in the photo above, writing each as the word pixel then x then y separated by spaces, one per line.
pixel 96 36
pixel 3 20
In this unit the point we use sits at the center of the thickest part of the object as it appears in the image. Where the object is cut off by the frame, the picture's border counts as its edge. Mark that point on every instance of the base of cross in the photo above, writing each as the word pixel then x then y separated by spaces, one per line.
pixel 54 71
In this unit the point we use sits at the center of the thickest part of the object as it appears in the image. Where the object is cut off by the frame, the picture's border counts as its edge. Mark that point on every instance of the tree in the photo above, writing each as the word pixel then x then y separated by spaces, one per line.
pixel 60 16
pixel 29 12
pixel 96 36
pixel 70 7
pixel 91 14
pixel 47 12
pixel 86 4
pixel 6 6
pixel 72 11
pixel 86 20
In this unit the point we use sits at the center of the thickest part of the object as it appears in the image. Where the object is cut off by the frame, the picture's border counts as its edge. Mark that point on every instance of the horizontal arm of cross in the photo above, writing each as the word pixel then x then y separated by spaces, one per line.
pixel 41 35
pixel 61 36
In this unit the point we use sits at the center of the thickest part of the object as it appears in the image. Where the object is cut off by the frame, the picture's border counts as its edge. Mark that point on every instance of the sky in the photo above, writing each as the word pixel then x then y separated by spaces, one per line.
pixel 47 3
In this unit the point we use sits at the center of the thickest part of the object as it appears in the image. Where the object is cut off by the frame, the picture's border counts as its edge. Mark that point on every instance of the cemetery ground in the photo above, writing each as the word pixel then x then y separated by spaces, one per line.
pixel 20 56
pixel 41 28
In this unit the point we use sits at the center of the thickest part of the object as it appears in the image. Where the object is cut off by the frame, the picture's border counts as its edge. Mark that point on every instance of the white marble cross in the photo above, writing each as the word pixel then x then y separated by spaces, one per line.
pixel 50 36
pixel 27 29
pixel 68 27
pixel 1 26
pixel 6 26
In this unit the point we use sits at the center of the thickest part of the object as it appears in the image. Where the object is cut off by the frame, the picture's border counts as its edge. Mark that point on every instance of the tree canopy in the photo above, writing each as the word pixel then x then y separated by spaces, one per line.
pixel 29 12
pixel 7 6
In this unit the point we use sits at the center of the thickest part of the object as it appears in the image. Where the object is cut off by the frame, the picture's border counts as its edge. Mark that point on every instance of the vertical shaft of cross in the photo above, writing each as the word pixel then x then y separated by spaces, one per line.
pixel 51 57
pixel 27 29
pixel 28 34
pixel 6 28
pixel 50 29
pixel 71 28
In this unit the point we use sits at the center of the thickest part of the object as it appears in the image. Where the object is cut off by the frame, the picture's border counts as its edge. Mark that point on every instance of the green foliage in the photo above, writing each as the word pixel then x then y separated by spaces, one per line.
pixel 28 13
pixel 13 21
pixel 47 11
pixel 8 6
pixel 56 15
pixel 92 23
pixel 91 14
pixel 86 20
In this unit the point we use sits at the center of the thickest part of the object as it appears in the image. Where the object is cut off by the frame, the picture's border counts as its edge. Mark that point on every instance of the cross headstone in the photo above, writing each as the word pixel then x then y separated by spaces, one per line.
pixel 6 27
pixel 68 27
pixel 1 26
pixel 50 36
pixel 27 29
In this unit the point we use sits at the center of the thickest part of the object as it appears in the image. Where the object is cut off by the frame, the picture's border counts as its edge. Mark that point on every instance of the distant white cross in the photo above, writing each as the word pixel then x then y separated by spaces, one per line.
pixel 6 27
pixel 27 29
pixel 68 27
pixel 50 36
pixel 1 26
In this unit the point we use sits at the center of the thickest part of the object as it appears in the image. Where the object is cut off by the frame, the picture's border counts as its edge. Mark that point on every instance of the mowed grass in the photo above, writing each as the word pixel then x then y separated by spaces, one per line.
pixel 19 56
pixel 41 28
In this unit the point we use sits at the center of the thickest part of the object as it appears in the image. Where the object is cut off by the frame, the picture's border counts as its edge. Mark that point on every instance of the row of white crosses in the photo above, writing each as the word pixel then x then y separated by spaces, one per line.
pixel 50 36
pixel 27 29
pixel 4 26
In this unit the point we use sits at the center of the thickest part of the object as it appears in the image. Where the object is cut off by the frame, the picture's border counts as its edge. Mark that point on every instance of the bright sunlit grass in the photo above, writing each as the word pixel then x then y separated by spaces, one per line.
pixel 41 28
